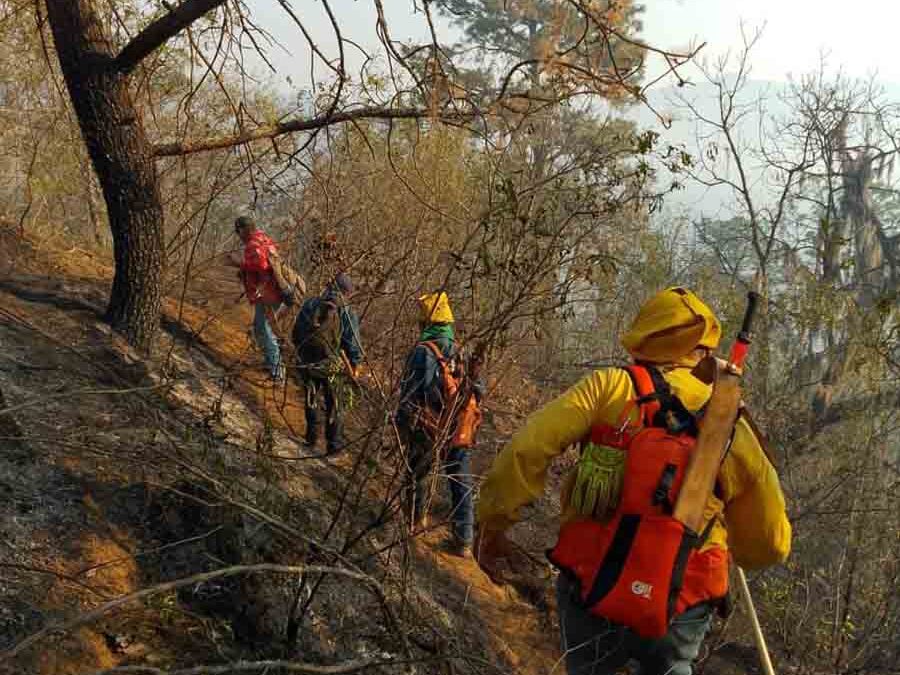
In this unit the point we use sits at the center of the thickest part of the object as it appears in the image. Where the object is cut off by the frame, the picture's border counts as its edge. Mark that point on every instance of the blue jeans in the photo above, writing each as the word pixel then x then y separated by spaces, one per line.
pixel 457 466
pixel 595 646
pixel 265 336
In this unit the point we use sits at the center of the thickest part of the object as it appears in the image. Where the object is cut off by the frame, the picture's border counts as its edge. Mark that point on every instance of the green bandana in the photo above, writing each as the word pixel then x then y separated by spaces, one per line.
pixel 437 330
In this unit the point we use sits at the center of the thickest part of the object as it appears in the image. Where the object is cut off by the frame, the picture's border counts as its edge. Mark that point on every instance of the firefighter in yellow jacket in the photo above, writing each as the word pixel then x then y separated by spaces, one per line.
pixel 673 331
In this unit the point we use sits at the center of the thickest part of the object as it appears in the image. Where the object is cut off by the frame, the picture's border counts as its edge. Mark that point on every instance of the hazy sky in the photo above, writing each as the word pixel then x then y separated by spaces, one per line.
pixel 860 36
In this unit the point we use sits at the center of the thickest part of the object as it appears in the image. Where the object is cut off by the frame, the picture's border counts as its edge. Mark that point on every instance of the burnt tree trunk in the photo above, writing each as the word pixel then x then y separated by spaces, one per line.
pixel 123 159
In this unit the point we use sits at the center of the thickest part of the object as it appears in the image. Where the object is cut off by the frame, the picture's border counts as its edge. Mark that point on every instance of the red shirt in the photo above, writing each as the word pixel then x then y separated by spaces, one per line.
pixel 257 272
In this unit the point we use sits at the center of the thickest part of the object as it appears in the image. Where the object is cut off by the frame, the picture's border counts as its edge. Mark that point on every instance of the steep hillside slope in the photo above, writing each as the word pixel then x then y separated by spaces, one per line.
pixel 119 474
pixel 163 513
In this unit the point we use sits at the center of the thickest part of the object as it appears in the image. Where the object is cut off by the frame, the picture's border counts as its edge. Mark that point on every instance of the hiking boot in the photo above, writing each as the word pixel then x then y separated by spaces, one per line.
pixel 307 446
pixel 459 548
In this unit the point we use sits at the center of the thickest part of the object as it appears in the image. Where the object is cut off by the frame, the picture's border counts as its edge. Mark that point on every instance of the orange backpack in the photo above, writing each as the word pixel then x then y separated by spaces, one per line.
pixel 630 564
pixel 463 417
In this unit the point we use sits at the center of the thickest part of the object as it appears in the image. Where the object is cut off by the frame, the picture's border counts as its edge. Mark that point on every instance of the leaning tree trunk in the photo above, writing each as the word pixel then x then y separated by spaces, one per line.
pixel 123 159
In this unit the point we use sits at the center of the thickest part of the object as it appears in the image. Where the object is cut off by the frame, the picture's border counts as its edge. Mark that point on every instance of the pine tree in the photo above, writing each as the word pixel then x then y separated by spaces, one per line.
pixel 556 42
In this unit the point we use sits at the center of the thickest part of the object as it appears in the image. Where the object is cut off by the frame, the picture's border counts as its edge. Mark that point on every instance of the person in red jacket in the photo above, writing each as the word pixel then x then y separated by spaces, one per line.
pixel 259 285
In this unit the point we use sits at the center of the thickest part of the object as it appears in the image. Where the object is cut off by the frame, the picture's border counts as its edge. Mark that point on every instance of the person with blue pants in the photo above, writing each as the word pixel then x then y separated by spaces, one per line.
pixel 261 290
pixel 422 400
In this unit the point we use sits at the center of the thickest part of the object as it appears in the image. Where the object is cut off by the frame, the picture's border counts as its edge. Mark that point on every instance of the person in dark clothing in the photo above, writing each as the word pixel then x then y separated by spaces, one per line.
pixel 421 419
pixel 326 337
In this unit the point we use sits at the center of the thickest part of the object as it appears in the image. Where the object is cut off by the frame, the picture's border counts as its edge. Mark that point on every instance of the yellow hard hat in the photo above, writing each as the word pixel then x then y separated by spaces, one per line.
pixel 435 308
pixel 670 325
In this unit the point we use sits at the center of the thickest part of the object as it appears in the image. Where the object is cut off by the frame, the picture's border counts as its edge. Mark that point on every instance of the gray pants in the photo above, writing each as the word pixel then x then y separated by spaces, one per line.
pixel 595 646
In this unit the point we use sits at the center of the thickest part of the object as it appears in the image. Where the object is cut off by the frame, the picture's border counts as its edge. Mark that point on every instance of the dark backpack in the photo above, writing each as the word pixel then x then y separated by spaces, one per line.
pixel 317 333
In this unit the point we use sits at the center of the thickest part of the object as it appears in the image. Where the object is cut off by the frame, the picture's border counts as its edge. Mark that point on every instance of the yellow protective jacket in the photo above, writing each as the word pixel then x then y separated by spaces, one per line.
pixel 755 527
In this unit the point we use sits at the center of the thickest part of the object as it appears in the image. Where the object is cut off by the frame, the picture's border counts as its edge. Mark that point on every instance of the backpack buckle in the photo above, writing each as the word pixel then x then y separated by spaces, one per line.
pixel 664 487
pixel 626 421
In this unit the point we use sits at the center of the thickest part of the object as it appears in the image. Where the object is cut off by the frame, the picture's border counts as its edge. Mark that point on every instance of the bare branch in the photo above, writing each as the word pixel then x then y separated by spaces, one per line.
pixel 40 400
pixel 251 666
pixel 97 612
pixel 161 30
pixel 291 126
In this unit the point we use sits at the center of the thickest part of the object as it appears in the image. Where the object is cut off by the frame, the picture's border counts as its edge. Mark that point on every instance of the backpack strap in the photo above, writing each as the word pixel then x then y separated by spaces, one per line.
pixel 645 387
pixel 659 406
pixel 431 345
pixel 448 384
pixel 443 364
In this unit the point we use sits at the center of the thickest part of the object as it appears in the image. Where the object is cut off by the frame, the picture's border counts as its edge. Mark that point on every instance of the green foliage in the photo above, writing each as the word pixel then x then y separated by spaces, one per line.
pixel 537 32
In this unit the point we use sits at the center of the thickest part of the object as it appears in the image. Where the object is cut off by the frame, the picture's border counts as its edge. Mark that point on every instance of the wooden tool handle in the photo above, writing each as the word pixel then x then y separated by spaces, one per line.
pixel 758 637
pixel 715 429
pixel 715 432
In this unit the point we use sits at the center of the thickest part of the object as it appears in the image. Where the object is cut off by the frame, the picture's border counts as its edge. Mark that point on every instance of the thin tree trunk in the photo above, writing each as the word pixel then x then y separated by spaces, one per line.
pixel 123 159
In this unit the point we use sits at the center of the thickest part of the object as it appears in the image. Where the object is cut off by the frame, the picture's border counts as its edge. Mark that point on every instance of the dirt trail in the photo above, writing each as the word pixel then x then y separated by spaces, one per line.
pixel 67 534
pixel 522 634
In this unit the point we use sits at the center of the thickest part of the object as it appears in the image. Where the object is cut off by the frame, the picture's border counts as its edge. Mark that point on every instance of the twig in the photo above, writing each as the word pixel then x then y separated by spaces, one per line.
pixel 252 666
pixel 82 392
pixel 96 613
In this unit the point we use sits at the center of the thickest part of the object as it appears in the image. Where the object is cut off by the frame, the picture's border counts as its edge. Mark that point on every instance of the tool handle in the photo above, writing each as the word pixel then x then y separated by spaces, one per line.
pixel 764 659
pixel 749 314
pixel 742 344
